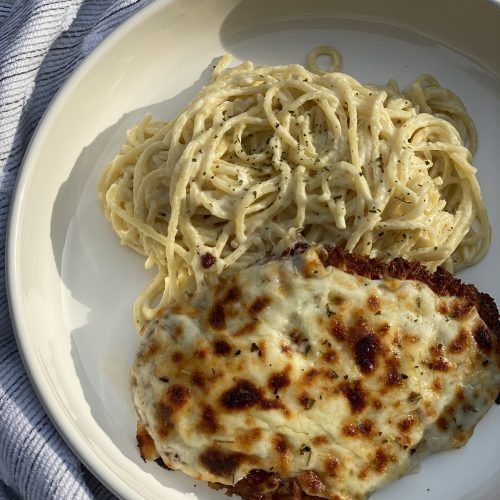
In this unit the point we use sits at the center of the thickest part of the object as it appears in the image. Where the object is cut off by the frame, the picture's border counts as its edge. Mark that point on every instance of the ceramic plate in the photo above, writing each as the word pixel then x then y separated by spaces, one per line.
pixel 72 285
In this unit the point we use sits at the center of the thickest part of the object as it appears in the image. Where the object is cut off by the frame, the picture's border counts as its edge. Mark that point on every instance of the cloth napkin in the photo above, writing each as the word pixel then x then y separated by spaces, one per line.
pixel 41 43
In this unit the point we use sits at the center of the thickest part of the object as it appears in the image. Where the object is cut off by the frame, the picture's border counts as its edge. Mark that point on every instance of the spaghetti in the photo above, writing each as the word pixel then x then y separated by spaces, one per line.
pixel 265 156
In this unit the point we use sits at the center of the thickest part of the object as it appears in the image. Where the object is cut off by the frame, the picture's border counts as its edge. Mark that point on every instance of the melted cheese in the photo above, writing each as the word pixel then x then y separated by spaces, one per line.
pixel 290 366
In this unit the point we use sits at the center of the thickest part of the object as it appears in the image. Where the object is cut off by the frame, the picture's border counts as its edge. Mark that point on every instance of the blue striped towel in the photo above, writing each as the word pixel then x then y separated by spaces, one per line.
pixel 41 43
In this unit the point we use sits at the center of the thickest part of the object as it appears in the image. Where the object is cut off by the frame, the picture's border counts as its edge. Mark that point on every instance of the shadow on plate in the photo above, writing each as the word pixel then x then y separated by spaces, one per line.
pixel 246 22
pixel 100 281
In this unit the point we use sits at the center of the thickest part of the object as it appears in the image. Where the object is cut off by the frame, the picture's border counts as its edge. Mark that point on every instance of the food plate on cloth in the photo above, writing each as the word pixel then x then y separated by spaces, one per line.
pixel 312 174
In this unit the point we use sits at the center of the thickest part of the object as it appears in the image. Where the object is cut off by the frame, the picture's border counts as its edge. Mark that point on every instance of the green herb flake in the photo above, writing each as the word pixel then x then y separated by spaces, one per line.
pixel 304 448
pixel 329 312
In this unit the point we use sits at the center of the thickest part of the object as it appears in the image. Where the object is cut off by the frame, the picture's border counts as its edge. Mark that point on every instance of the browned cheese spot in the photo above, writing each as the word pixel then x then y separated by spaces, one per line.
pixel 245 329
pixel 373 303
pixel 177 356
pixel 483 338
pixel 248 437
pixel 459 343
pixel 200 353
pixel 350 430
pixel 443 308
pixel 221 463
pixel 366 427
pixel 221 348
pixel 338 329
pixel 438 361
pixel 461 308
pixel 320 440
pixel 439 364
pixel 310 375
pixel 363 429
pixel 178 331
pixel 442 424
pixel 363 473
pixel 450 410
pixel 437 385
pixel 197 379
pixel 381 461
pixel 232 295
pixel 279 380
pixel 383 329
pixel 329 356
pixel 354 394
pixel 163 413
pixel 331 465
pixel 178 395
pixel 335 299
pixel 406 424
pixel 393 376
pixel 280 443
pixel 243 395
pixel 365 345
pixel 217 318
pixel 365 352
pixel 271 404
pixel 262 350
pixel 208 420
pixel 310 483
pixel 259 304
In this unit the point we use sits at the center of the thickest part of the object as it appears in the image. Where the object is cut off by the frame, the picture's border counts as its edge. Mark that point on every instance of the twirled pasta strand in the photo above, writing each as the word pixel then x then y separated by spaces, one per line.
pixel 268 155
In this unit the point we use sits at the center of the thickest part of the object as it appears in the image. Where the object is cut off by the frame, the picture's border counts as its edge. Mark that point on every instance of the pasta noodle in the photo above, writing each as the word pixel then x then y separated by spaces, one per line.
pixel 324 50
pixel 265 156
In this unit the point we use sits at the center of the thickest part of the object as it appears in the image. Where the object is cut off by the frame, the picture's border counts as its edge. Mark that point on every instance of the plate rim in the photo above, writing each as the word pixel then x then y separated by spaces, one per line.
pixel 109 477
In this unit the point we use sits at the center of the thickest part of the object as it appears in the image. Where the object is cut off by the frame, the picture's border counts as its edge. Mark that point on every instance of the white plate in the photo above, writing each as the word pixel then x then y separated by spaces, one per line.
pixel 71 284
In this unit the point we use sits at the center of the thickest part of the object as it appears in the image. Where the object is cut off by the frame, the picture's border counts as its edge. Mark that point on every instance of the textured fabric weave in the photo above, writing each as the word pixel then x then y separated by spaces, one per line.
pixel 41 43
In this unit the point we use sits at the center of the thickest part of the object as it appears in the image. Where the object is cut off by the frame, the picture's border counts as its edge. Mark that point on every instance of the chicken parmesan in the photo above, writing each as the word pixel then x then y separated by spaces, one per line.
pixel 322 374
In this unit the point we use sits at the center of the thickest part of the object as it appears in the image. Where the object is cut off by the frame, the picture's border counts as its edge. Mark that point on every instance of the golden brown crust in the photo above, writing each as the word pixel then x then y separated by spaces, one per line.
pixel 262 485
pixel 440 282
pixel 367 351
